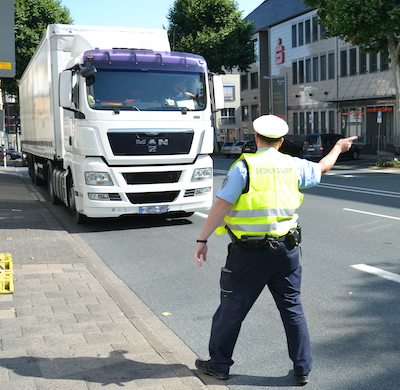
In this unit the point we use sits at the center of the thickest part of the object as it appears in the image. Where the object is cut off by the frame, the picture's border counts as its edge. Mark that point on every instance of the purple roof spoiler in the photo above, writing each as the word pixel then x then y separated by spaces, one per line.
pixel 145 59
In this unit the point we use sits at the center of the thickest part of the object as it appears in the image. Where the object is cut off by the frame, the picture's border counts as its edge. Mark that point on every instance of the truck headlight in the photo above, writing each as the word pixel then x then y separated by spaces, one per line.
pixel 202 174
pixel 98 179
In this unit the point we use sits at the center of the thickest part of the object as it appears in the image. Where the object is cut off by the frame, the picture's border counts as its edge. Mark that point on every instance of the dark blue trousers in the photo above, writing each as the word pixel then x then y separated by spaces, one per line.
pixel 242 280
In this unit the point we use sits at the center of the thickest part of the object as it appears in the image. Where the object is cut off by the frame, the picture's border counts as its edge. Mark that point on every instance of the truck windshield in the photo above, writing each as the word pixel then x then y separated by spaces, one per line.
pixel 147 90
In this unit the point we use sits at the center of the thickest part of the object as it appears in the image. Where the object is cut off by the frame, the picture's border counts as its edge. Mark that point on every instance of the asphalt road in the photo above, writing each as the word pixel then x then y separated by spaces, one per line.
pixel 352 218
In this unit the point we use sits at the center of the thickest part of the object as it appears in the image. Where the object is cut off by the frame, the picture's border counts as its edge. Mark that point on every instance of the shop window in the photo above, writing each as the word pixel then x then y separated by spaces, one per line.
pixel 331 121
pixel 315 120
pixel 323 122
pixel 301 123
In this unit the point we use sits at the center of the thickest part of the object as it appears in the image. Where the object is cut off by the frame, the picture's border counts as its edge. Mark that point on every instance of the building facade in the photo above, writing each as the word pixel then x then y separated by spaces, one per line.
pixel 321 85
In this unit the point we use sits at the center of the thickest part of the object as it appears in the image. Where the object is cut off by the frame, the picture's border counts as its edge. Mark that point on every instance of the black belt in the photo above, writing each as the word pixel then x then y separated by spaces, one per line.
pixel 292 238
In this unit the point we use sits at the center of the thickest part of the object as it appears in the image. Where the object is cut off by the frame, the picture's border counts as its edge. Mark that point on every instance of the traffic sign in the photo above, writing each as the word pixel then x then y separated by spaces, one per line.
pixel 7 39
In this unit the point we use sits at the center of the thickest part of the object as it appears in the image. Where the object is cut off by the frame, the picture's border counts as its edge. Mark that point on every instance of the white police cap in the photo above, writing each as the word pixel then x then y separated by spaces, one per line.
pixel 270 126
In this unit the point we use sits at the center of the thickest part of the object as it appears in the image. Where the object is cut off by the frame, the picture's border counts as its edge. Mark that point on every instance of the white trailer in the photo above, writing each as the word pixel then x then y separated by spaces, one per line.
pixel 117 124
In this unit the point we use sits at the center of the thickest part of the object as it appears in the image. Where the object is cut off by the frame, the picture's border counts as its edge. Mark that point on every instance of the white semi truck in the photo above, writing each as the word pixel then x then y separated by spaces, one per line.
pixel 115 123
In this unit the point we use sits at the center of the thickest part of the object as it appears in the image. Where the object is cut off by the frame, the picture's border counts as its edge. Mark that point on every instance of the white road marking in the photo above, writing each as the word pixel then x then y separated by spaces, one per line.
pixel 373 214
pixel 201 215
pixel 361 190
pixel 378 272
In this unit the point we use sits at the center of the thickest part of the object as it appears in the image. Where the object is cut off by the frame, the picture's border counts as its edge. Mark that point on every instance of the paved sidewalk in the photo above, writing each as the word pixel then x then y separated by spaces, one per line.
pixel 71 323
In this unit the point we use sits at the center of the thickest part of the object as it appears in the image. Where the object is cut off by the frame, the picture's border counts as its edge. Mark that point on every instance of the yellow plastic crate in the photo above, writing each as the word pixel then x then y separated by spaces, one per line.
pixel 6 274
pixel 6 281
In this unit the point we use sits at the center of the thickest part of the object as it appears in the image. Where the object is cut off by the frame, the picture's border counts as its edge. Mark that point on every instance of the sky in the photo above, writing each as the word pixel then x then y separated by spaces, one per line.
pixel 131 13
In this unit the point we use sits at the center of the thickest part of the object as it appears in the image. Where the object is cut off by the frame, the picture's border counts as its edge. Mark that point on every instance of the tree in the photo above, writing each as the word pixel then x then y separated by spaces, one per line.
pixel 373 25
pixel 31 20
pixel 213 29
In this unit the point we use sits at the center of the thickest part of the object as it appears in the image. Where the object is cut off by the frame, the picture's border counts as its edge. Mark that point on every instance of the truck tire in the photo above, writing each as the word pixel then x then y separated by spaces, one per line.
pixel 77 217
pixel 50 184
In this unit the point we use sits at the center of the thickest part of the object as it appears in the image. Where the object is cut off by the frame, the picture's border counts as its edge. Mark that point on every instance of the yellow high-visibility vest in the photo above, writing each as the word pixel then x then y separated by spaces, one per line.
pixel 269 206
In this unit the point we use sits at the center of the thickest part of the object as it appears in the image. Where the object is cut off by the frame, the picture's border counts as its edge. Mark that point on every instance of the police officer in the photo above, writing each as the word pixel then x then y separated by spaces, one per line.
pixel 256 205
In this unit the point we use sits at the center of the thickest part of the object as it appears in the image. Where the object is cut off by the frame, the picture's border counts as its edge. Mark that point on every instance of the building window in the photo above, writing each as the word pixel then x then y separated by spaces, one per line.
pixel 323 122
pixel 316 126
pixel 229 93
pixel 343 63
pixel 322 61
pixel 373 62
pixel 308 70
pixel 244 82
pixel 302 123
pixel 321 31
pixel 301 34
pixel 331 66
pixel 295 123
pixel 294 36
pixel 315 29
pixel 255 112
pixel 384 62
pixel 331 121
pixel 308 31
pixel 309 122
pixel 245 113
pixel 301 72
pixel 315 68
pixel 254 80
pixel 353 61
pixel 363 62
pixel 228 116
pixel 294 73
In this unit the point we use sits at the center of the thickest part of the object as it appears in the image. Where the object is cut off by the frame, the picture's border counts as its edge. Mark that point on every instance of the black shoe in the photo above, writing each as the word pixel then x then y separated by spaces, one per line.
pixel 301 380
pixel 205 367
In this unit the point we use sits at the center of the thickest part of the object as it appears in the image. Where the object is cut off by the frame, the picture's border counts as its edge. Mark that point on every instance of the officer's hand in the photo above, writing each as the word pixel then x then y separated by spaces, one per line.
pixel 201 250
pixel 345 143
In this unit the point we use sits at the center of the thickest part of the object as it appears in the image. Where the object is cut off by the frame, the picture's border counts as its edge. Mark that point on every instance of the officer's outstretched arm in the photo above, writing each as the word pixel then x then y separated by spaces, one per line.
pixel 341 146
pixel 215 217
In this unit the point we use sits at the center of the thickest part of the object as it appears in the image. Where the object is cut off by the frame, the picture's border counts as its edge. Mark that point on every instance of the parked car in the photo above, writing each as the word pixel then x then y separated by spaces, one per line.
pixel 292 147
pixel 233 148
pixel 317 146
pixel 10 154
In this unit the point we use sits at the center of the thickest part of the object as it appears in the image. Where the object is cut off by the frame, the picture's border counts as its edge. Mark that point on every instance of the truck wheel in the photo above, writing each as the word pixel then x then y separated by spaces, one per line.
pixel 76 215
pixel 50 184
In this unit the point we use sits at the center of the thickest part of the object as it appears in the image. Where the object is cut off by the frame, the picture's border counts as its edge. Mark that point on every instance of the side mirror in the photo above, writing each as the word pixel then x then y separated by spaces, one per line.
pixel 65 90
pixel 219 98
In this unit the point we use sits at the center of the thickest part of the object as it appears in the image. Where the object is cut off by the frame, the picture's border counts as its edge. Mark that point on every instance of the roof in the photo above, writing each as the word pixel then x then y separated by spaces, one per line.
pixel 271 12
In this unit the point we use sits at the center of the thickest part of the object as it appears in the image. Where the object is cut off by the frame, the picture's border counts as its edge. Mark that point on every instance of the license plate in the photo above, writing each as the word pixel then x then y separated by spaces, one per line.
pixel 153 209
pixel 311 150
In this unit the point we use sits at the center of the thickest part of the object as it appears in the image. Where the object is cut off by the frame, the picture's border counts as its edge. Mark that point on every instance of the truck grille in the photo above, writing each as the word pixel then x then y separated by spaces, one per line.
pixel 152 197
pixel 150 142
pixel 152 177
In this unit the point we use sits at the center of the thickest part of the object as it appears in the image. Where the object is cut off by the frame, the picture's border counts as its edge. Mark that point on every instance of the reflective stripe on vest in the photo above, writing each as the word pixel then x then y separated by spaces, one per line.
pixel 273 197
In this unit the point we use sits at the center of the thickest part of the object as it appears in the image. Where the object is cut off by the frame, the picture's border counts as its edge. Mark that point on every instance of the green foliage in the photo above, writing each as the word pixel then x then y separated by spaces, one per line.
pixel 384 162
pixel 213 29
pixel 365 23
pixel 31 20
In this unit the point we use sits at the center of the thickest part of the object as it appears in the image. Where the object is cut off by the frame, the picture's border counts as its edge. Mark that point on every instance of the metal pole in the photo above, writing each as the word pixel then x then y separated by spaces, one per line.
pixel 379 138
